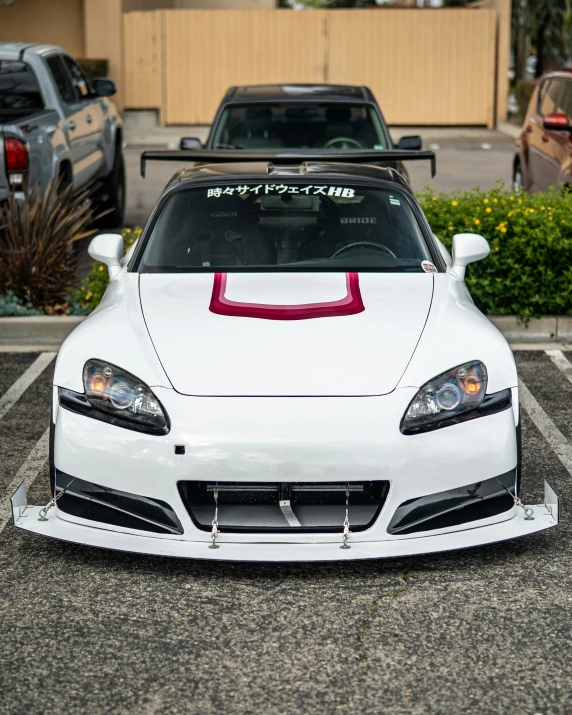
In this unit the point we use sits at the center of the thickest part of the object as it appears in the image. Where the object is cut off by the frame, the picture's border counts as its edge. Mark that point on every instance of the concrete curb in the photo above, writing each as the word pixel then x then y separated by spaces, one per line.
pixel 548 328
pixel 52 331
pixel 511 130
pixel 37 330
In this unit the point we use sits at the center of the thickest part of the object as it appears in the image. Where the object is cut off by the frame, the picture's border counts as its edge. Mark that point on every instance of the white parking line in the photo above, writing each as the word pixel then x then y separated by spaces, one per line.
pixel 28 471
pixel 546 426
pixel 562 363
pixel 14 393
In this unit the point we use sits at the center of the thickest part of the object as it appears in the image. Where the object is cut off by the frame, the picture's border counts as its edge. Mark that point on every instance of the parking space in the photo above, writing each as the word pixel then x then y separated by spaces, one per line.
pixel 476 631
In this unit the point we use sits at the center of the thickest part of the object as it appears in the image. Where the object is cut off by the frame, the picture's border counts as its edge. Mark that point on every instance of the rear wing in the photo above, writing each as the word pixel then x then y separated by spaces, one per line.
pixel 295 156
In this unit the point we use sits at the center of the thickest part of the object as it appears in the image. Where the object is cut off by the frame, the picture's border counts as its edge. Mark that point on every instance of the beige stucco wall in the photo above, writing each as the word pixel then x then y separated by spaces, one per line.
pixel 103 30
pixel 45 21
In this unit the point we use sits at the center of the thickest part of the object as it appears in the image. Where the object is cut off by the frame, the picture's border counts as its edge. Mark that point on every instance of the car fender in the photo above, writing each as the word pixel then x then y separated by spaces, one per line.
pixel 456 332
pixel 114 332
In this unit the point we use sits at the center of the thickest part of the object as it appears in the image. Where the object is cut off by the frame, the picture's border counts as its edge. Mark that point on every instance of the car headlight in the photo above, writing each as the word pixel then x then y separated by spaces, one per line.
pixel 452 393
pixel 112 390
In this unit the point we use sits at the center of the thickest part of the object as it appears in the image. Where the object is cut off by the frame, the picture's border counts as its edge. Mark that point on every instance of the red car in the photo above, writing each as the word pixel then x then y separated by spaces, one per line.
pixel 544 148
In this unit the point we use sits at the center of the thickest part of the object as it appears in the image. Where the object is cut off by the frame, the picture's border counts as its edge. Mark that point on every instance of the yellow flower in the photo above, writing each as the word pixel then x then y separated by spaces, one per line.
pixel 512 198
pixel 485 201
pixel 496 249
pixel 531 211
pixel 542 208
pixel 495 201
pixel 520 201
pixel 100 268
pixel 434 198
pixel 509 214
pixel 503 230
pixel 454 203
pixel 476 221
pixel 88 295
pixel 488 209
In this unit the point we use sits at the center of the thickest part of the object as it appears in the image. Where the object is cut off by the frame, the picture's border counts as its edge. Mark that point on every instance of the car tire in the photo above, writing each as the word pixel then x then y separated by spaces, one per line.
pixel 113 191
pixel 517 177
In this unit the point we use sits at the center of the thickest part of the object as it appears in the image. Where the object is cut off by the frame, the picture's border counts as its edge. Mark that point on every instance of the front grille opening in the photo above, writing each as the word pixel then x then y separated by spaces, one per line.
pixel 284 507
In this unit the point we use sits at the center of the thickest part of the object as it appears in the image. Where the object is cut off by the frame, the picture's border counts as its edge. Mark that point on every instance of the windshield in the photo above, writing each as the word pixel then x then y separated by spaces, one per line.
pixel 285 226
pixel 325 126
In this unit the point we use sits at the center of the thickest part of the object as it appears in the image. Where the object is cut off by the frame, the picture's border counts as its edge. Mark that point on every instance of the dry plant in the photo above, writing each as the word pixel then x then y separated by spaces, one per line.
pixel 37 233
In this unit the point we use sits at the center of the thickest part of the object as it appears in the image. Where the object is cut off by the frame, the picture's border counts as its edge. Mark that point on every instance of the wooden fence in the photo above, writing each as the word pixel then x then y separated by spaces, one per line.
pixel 425 66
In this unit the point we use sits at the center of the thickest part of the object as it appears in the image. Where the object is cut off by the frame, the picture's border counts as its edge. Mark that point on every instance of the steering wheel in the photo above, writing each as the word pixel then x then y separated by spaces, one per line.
pixel 371 244
pixel 345 143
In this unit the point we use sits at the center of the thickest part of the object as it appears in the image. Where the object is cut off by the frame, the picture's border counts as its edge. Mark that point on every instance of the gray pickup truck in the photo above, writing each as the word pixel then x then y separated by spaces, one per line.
pixel 55 124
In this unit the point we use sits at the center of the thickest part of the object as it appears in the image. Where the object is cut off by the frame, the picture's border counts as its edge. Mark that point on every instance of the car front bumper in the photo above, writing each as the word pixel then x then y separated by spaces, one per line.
pixel 28 518
pixel 286 440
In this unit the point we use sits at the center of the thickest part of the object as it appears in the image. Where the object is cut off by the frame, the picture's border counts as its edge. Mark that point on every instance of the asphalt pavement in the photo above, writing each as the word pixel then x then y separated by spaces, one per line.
pixel 481 631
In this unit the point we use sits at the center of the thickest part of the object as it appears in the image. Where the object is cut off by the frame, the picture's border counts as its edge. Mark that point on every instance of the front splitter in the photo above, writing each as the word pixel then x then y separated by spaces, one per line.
pixel 27 517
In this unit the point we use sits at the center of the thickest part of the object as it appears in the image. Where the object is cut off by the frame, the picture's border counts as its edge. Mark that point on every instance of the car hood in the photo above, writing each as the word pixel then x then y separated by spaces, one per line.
pixel 291 334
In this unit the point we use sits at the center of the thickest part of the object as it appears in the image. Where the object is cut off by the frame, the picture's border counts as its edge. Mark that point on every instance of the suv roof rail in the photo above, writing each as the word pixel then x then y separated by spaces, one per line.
pixel 295 156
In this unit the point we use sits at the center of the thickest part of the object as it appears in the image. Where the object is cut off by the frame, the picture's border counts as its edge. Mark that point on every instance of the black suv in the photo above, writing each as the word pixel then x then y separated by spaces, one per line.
pixel 301 116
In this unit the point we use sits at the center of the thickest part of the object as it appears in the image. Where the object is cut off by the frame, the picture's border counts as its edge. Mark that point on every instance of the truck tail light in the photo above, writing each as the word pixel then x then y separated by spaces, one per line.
pixel 17 161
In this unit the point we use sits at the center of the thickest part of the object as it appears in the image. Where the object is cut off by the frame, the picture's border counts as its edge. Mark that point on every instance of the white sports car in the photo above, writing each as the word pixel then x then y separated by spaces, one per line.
pixel 287 366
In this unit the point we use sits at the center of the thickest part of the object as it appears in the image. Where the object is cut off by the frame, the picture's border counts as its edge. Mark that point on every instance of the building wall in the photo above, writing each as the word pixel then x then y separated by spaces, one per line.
pixel 103 29
pixel 432 67
pixel 45 21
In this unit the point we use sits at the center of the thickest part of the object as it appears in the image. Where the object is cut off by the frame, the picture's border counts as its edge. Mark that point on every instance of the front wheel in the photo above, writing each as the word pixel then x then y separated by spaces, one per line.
pixel 111 210
pixel 517 177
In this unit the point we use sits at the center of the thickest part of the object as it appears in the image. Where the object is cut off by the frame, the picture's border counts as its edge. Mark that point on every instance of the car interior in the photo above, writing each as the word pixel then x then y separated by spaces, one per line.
pixel 305 125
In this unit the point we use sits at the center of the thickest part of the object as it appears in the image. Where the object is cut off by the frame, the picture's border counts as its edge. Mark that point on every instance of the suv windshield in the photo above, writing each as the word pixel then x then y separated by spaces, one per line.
pixel 285 226
pixel 325 126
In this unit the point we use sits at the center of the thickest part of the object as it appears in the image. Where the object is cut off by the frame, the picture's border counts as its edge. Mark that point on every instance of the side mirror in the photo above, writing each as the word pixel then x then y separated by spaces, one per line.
pixel 412 143
pixel 108 248
pixel 467 248
pixel 104 87
pixel 556 121
pixel 190 143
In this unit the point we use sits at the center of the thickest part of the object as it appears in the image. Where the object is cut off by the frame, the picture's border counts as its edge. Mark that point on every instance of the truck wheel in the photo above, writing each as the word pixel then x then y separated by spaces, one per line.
pixel 113 195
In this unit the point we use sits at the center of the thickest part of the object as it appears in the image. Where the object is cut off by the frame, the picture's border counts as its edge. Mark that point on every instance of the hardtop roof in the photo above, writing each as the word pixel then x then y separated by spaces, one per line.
pixel 267 170
pixel 298 93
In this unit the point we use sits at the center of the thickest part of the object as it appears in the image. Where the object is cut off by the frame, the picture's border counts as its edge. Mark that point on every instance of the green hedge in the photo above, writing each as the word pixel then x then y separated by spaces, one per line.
pixel 529 270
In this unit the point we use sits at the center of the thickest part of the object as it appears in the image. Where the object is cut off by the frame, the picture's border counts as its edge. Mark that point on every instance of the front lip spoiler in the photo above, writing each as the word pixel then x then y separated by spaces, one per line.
pixel 26 517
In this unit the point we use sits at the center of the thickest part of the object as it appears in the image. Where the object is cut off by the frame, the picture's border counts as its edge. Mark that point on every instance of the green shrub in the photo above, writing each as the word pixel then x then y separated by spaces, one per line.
pixel 523 92
pixel 85 299
pixel 95 68
pixel 11 306
pixel 529 270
